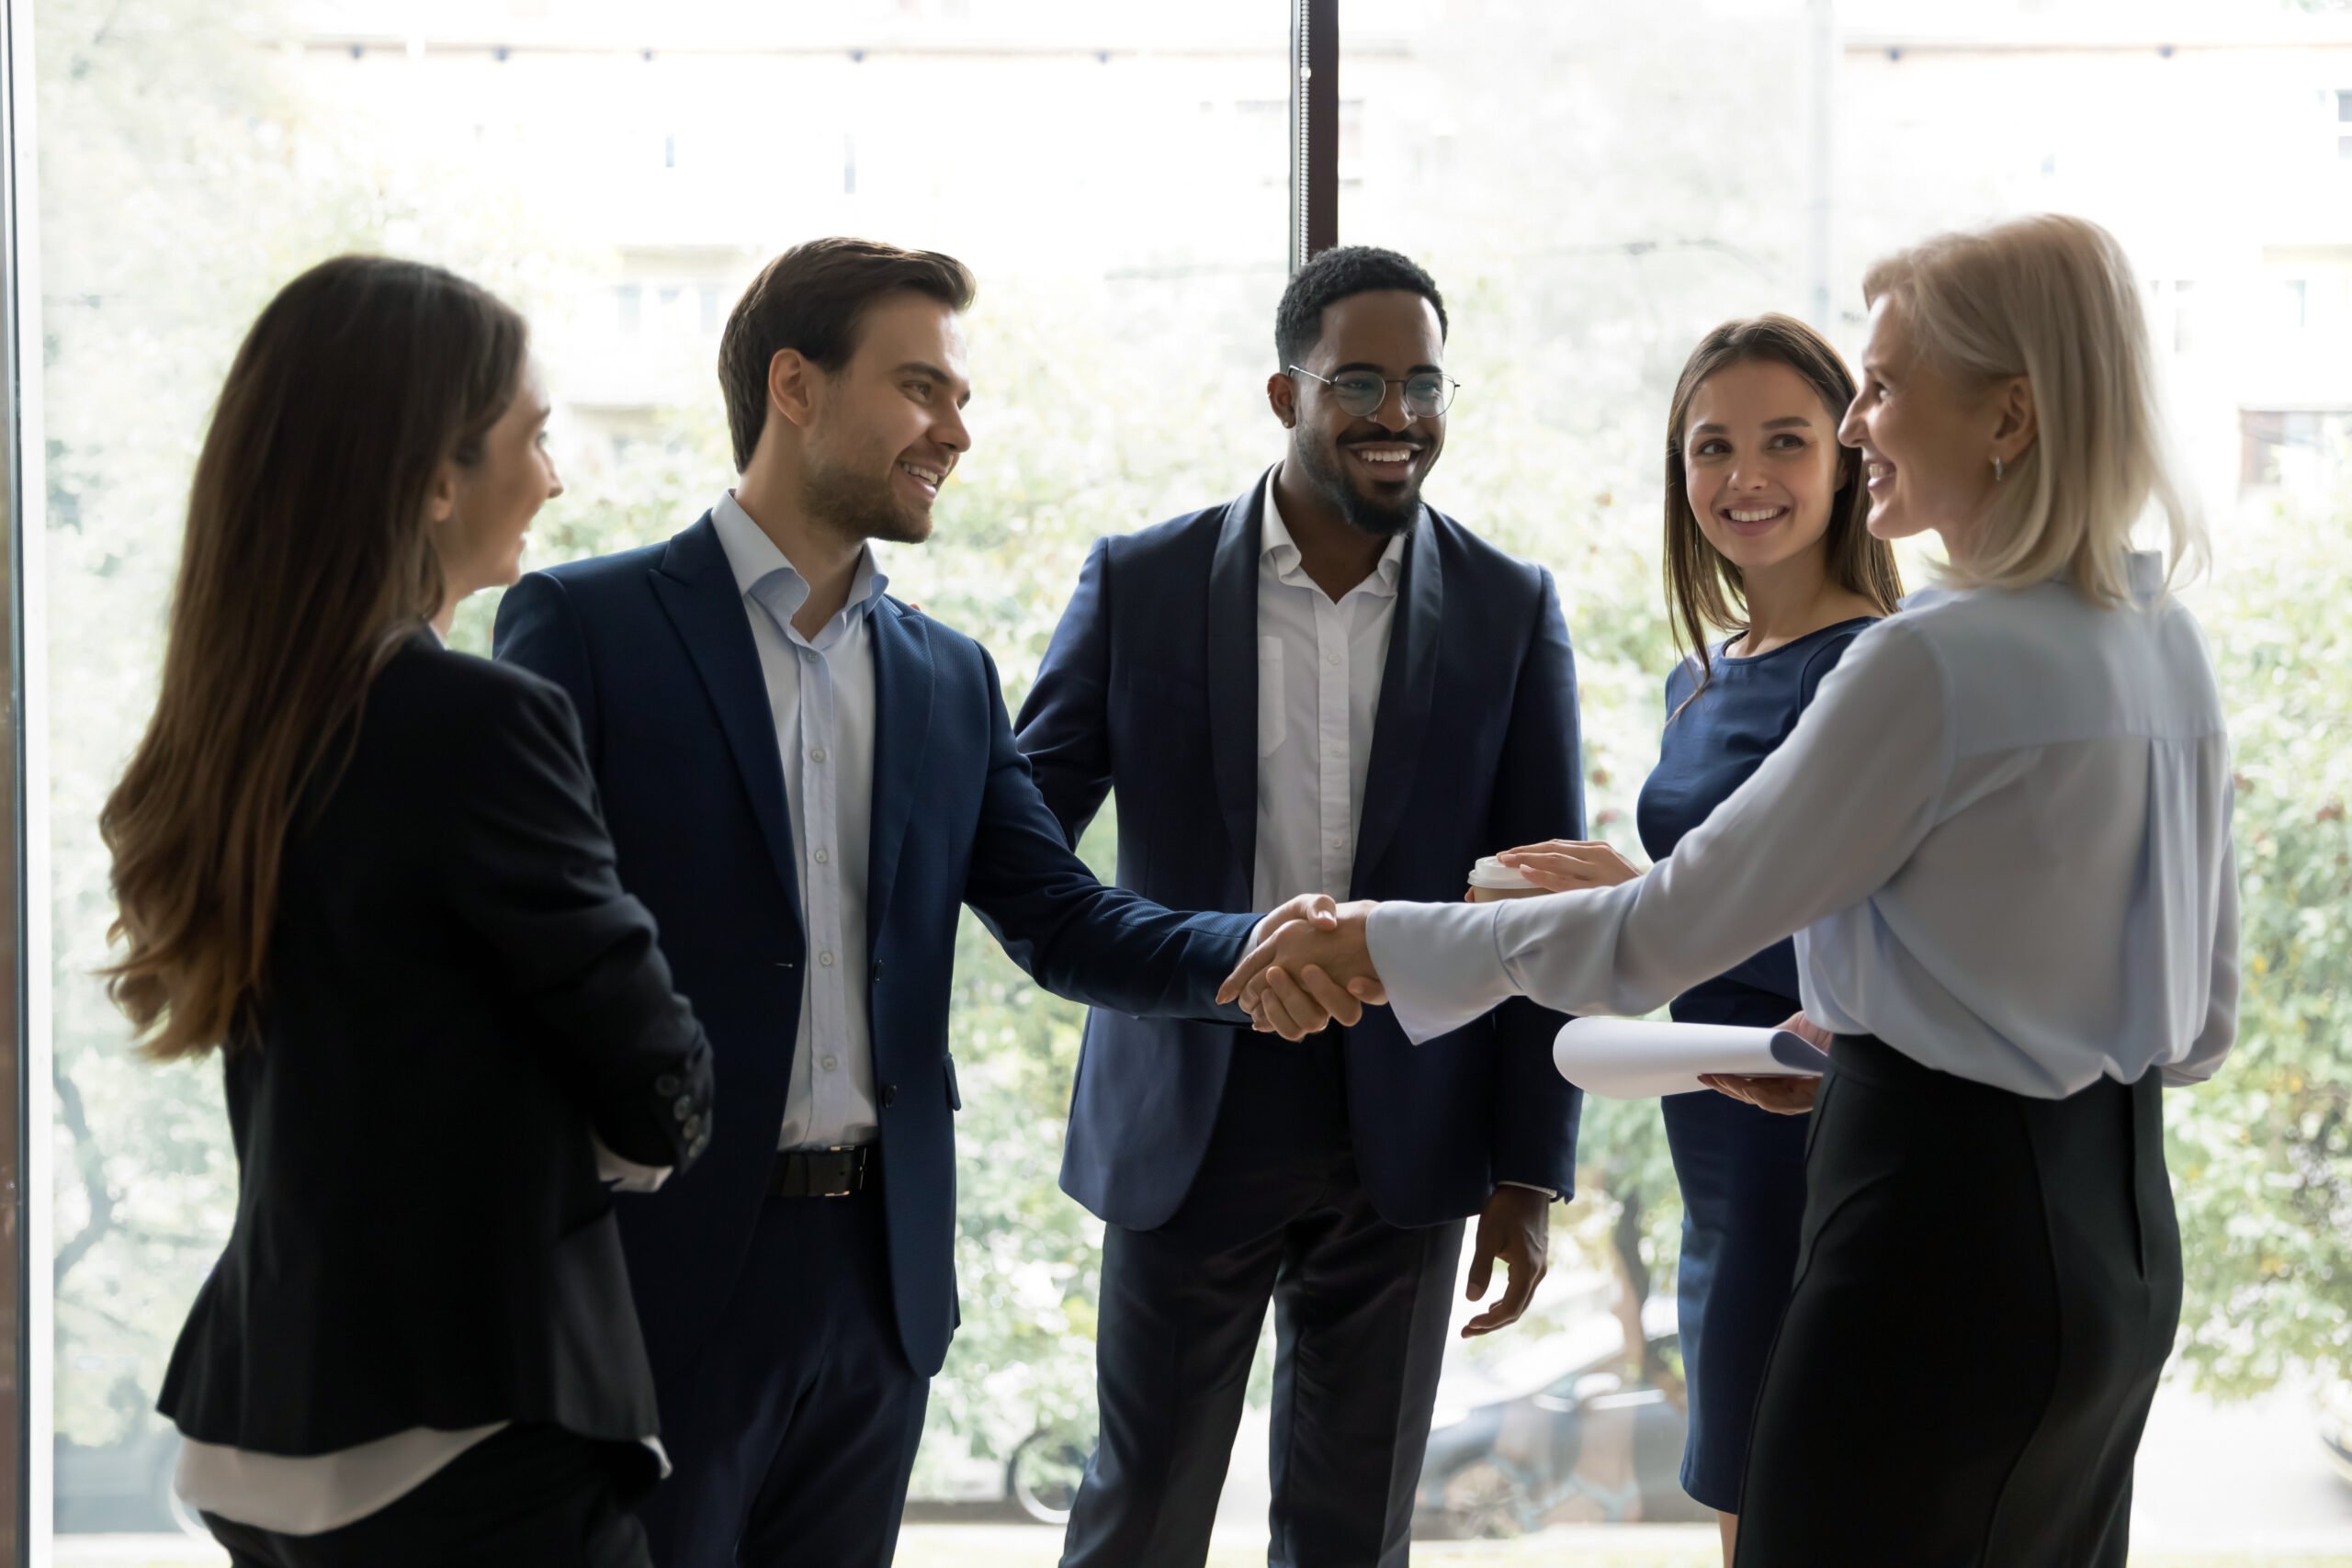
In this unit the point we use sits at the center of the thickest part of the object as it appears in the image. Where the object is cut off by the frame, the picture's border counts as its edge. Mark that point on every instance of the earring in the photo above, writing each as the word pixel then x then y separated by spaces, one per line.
pixel 1996 468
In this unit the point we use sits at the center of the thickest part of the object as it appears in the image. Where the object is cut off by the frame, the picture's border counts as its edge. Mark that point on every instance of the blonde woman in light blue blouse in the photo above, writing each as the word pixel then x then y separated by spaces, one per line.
pixel 2000 836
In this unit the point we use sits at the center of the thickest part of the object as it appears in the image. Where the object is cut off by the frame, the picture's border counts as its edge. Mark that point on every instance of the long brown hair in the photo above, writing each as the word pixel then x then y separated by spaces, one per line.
pixel 1706 590
pixel 307 560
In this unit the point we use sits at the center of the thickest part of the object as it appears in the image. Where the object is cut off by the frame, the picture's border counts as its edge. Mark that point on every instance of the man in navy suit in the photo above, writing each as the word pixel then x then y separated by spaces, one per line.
pixel 805 779
pixel 1323 683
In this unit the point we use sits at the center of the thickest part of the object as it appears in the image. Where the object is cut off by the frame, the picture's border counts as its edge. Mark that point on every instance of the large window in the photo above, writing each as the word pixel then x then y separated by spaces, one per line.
pixel 1596 186
pixel 1593 185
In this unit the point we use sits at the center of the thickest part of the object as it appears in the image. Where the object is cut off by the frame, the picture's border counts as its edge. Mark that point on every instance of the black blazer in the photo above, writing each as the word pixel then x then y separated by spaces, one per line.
pixel 458 990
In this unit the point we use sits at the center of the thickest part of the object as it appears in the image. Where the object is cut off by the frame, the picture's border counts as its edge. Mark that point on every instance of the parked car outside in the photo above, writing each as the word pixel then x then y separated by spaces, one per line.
pixel 1558 1433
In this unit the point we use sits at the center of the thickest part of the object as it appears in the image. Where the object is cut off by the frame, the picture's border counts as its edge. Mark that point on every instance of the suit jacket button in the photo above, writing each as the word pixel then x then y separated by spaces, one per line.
pixel 694 1130
pixel 890 1095
pixel 668 1083
pixel 683 1108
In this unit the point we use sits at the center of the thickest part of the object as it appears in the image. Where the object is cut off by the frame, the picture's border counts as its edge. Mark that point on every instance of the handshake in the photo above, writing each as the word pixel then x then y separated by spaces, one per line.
pixel 1309 963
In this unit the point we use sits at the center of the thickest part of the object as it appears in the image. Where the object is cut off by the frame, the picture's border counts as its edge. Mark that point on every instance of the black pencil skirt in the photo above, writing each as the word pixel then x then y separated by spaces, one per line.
pixel 1986 1289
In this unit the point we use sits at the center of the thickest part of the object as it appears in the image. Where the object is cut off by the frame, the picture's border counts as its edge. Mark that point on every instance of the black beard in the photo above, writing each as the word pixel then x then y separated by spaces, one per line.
pixel 1361 513
pixel 859 506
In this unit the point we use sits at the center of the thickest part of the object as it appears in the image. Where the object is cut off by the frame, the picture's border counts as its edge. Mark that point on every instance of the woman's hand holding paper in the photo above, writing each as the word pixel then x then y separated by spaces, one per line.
pixel 1781 1096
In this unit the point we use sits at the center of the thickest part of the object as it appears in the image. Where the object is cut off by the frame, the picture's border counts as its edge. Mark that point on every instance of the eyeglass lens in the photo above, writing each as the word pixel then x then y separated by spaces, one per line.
pixel 1425 396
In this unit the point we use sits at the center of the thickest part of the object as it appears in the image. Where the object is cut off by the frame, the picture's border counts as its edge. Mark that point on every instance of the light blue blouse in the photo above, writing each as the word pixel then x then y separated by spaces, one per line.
pixel 2000 835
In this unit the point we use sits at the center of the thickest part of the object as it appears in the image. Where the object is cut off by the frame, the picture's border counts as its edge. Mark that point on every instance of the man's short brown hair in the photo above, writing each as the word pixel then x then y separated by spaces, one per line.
pixel 811 298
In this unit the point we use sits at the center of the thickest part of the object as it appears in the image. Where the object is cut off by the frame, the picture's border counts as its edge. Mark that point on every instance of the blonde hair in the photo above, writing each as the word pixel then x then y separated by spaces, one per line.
pixel 2051 299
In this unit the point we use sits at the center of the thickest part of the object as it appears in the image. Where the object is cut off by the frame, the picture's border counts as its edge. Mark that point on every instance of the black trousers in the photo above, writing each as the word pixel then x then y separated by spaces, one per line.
pixel 793 1447
pixel 1986 1289
pixel 1360 1313
pixel 527 1496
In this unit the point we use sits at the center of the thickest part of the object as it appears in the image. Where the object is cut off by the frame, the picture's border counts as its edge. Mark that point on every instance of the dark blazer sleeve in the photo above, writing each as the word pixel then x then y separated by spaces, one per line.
pixel 538 629
pixel 1064 728
pixel 1103 946
pixel 530 877
pixel 1539 794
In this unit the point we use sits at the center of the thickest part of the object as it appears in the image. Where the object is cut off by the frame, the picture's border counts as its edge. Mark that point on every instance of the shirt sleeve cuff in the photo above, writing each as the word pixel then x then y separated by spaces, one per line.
pixel 1550 1192
pixel 623 1174
pixel 1439 963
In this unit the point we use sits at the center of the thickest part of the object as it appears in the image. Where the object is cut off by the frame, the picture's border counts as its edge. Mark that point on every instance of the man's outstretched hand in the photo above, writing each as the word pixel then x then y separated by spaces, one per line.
pixel 1307 970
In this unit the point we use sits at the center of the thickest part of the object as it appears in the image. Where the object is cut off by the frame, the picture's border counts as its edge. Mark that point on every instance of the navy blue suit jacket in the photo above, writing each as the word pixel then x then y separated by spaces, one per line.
pixel 654 649
pixel 1150 690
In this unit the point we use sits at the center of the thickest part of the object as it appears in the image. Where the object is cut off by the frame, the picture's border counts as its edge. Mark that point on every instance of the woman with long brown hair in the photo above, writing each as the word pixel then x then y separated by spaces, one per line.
pixel 1767 539
pixel 372 874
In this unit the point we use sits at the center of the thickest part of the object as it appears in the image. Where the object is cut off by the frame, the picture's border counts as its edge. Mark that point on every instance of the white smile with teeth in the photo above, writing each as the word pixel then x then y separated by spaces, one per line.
pixel 932 476
pixel 1754 515
pixel 1383 454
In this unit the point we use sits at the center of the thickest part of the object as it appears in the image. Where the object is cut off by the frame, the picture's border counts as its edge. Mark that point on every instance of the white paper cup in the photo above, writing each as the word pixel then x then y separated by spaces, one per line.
pixel 1490 879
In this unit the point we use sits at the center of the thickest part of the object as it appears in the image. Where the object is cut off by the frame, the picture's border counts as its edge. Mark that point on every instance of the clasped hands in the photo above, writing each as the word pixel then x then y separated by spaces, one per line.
pixel 1307 965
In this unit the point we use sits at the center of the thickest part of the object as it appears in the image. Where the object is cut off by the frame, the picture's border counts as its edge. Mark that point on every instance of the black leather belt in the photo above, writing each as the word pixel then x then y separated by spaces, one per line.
pixel 824 1173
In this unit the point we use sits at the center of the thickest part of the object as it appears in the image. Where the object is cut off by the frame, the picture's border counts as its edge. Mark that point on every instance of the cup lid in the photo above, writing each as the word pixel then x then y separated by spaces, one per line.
pixel 1492 873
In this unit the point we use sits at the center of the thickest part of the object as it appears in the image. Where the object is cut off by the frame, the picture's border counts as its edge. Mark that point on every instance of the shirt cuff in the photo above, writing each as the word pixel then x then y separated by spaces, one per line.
pixel 625 1175
pixel 1439 964
pixel 1551 1192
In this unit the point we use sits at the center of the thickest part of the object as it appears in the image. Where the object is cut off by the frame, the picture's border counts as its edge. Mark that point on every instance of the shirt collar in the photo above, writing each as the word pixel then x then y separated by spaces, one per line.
pixel 1275 544
pixel 754 558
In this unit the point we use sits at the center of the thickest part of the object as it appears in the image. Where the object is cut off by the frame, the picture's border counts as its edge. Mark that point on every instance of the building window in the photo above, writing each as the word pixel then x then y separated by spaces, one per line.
pixel 2306 452
pixel 632 307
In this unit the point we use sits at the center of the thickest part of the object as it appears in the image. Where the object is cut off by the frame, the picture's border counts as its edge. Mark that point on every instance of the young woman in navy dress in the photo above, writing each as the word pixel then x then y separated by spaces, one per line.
pixel 1764 538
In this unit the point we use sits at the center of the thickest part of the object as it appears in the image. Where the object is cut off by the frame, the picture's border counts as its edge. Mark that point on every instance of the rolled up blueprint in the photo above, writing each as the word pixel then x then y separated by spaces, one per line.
pixel 1620 1058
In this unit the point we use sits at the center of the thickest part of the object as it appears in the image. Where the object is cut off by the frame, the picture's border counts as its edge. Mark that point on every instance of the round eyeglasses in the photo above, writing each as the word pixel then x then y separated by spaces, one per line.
pixel 1428 394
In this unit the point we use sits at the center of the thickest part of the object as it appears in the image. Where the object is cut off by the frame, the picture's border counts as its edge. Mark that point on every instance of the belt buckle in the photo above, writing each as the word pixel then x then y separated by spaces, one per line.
pixel 853 1175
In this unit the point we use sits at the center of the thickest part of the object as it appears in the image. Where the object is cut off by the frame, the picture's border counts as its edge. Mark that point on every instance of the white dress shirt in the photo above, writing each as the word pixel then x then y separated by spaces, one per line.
pixel 2000 834
pixel 1319 664
pixel 820 696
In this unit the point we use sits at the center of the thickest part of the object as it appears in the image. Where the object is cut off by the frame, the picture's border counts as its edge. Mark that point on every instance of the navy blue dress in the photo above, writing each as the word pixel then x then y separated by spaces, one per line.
pixel 1742 1169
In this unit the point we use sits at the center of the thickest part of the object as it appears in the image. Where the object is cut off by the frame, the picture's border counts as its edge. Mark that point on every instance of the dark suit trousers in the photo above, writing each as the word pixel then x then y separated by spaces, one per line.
pixel 797 1437
pixel 1277 1214
pixel 529 1496
pixel 1988 1286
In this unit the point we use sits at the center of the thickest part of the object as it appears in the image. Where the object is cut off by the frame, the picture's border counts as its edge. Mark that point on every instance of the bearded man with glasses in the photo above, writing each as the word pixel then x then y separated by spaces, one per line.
pixel 1324 686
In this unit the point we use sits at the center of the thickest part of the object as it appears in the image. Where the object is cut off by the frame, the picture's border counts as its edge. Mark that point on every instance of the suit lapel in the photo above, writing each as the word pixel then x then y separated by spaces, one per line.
pixel 1407 686
pixel 902 692
pixel 1233 685
pixel 697 589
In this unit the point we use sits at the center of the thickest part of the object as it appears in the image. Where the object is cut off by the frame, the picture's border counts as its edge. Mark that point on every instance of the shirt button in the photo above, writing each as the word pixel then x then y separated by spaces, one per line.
pixel 822 857
pixel 826 959
pixel 1332 660
pixel 832 1062
pixel 817 755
